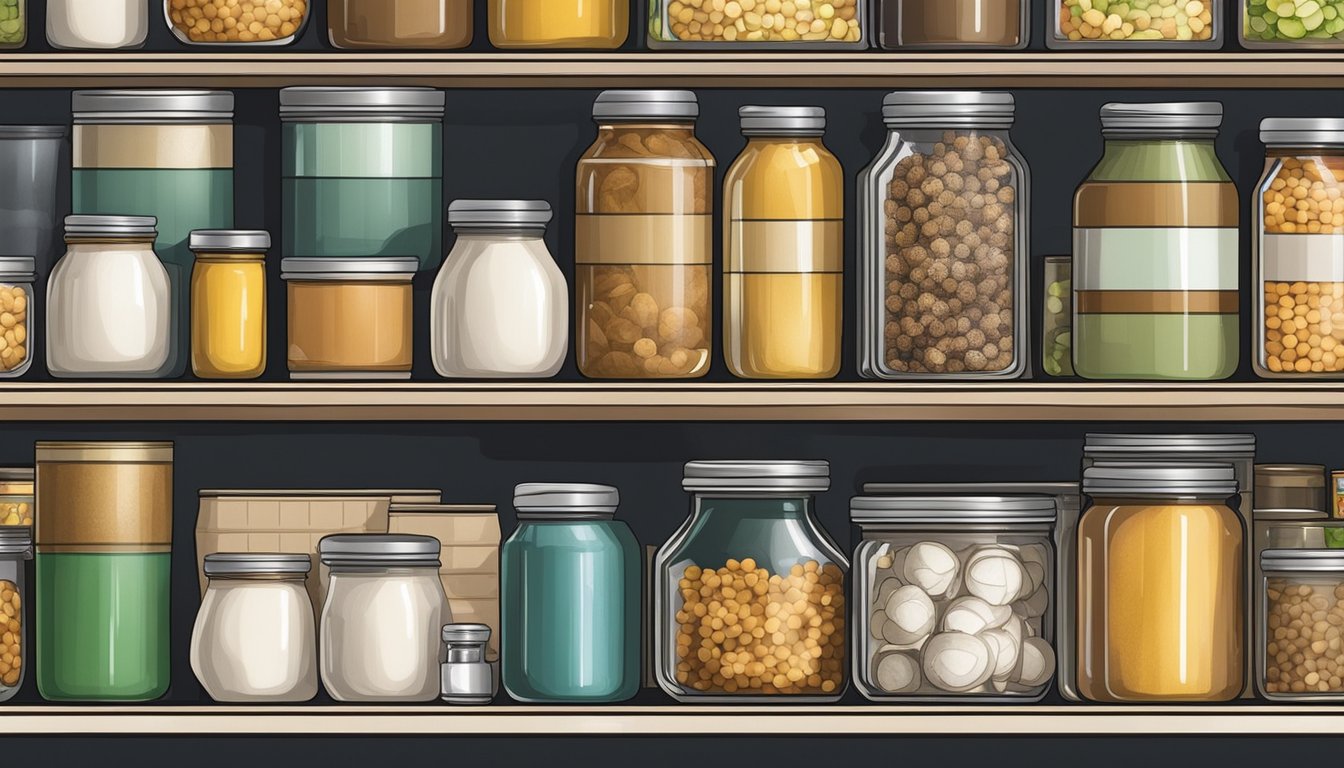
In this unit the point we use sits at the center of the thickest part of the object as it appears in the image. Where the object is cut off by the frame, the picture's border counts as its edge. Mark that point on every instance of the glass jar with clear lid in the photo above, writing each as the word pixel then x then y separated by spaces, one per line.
pixel 943 220
pixel 1300 616
pixel 16 547
pixel 1298 247
pixel 955 597
pixel 17 304
pixel 749 593
pixel 644 240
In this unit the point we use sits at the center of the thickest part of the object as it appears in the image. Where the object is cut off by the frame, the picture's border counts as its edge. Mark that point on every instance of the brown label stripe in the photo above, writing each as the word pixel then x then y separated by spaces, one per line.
pixel 1157 302
pixel 1156 204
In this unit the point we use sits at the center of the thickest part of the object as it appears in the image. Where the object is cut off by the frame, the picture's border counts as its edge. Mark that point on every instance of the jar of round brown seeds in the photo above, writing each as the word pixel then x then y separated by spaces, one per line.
pixel 1299 640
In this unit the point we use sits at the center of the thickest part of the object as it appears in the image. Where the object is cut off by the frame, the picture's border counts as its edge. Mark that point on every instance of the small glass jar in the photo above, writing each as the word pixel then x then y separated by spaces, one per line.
pixel 418 24
pixel 1161 612
pixel 349 318
pixel 97 24
pixel 644 240
pixel 571 597
pixel 16 547
pixel 944 240
pixel 109 302
pixel 596 24
pixel 1270 24
pixel 1299 249
pixel 1296 653
pixel 381 624
pixel 254 639
pixel 955 597
pixel 274 22
pixel 783 296
pixel 1057 317
pixel 17 304
pixel 13 23
pixel 500 305
pixel 17 496
pixel 228 303
pixel 1187 25
pixel 1290 492
pixel 752 530
pixel 810 25
pixel 953 24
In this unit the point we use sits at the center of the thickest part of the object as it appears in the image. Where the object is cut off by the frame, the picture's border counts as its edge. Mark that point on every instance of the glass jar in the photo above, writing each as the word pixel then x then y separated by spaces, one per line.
pixel 421 24
pixel 254 639
pixel 121 165
pixel 500 305
pixel 97 24
pixel 643 241
pixel 13 23
pixel 16 302
pixel 382 619
pixel 16 547
pixel 597 24
pixel 1160 202
pixel 32 158
pixel 272 23
pixel 1161 585
pixel 362 173
pixel 104 544
pixel 571 599
pixel 1187 25
pixel 944 241
pixel 1290 492
pixel 1057 319
pixel 956 597
pixel 953 24
pixel 109 302
pixel 1297 654
pixel 784 245
pixel 17 496
pixel 1299 249
pixel 752 530
pixel 228 303
pixel 349 318
pixel 811 25
pixel 1269 24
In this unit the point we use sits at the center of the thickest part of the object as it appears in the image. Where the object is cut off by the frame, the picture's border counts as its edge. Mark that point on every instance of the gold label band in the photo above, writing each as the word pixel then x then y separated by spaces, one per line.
pixel 790 246
pixel 644 238
pixel 1156 204
pixel 153 146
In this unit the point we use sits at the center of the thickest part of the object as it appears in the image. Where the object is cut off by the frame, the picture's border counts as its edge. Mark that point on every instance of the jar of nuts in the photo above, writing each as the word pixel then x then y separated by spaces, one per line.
pixel 16 546
pixel 943 241
pixel 644 247
pixel 17 340
pixel 236 22
pixel 1298 242
pixel 1300 629
pixel 17 494
pixel 792 24
pixel 749 599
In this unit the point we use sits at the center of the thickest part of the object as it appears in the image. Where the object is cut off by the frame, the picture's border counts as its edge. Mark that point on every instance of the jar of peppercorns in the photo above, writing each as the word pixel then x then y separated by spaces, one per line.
pixel 943 241
pixel 749 600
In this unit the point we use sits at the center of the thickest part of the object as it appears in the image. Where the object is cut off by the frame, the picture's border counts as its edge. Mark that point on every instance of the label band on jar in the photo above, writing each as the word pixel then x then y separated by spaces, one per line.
pixel 1156 204
pixel 643 238
pixel 808 245
pixel 1309 258
pixel 1158 302
pixel 103 549
pixel 153 146
pixel 1155 259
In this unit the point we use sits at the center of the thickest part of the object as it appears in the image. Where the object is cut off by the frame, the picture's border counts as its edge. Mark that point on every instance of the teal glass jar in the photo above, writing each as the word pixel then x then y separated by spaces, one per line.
pixel 362 173
pixel 571 597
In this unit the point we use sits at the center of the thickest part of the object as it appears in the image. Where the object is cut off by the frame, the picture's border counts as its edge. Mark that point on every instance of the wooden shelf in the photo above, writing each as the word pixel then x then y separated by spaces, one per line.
pixel 855 69
pixel 1022 401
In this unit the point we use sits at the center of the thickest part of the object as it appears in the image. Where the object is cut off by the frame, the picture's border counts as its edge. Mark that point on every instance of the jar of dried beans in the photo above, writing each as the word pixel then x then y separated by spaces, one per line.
pixel 1299 649
pixel 943 241
pixel 643 234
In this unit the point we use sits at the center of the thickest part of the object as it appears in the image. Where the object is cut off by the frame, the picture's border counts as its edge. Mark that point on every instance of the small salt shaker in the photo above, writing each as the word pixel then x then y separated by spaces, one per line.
pixel 466 677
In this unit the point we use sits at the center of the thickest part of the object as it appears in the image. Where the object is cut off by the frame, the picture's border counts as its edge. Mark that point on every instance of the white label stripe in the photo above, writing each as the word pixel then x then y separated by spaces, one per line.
pixel 1161 259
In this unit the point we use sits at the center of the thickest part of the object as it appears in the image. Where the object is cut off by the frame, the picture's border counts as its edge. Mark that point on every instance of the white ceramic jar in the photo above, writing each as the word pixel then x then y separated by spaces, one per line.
pixel 97 24
pixel 109 301
pixel 255 638
pixel 500 303
pixel 383 616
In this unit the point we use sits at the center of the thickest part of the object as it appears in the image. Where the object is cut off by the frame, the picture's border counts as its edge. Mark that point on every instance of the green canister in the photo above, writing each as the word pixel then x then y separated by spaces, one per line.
pixel 103 552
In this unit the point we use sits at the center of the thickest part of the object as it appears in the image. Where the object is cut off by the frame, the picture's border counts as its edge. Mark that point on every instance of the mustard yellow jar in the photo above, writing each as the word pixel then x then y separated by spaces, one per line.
pixel 228 303
pixel 599 24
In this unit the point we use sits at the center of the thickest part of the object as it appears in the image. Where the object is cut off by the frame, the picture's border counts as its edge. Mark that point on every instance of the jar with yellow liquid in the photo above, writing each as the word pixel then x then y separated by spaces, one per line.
pixel 228 303
pixel 598 24
pixel 784 248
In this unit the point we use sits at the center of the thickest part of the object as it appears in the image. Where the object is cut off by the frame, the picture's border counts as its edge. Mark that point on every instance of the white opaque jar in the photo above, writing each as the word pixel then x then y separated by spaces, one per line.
pixel 500 303
pixel 108 301
pixel 97 24
pixel 381 623
pixel 255 639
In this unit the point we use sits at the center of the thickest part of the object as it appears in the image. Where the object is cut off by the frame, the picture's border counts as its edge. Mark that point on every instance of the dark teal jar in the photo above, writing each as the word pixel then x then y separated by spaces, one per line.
pixel 362 173
pixel 570 629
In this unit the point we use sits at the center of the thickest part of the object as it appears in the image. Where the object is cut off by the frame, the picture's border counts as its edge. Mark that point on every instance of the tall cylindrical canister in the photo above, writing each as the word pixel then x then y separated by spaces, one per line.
pixel 103 552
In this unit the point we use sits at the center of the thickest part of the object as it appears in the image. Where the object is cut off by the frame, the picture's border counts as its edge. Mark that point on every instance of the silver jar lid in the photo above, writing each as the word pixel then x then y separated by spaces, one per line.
pixel 379 550
pixel 151 106
pixel 1189 119
pixel 84 225
pixel 959 109
pixel 1104 444
pixel 782 121
pixel 1302 131
pixel 391 269
pixel 33 131
pixel 18 269
pixel 1285 560
pixel 16 540
pixel 257 564
pixel 622 105
pixel 499 214
pixel 757 476
pixel 466 633
pixel 1160 480
pixel 565 501
pixel 17 474
pixel 245 240
pixel 308 104
pixel 964 510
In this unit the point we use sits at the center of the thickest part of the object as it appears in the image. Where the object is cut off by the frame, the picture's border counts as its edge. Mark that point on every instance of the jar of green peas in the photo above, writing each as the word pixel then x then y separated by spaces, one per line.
pixel 13 23
pixel 1292 23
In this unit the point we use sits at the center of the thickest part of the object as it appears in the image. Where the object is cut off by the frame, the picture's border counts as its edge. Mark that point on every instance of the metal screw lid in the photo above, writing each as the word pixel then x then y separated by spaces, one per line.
pixel 1101 444
pixel 89 226
pixel 246 240
pixel 782 121
pixel 33 131
pixel 18 269
pixel 979 109
pixel 867 510
pixel 256 564
pixel 565 501
pixel 346 104
pixel 16 540
pixel 1160 480
pixel 499 214
pixel 1190 119
pixel 148 106
pixel 757 476
pixel 624 105
pixel 1302 131
pixel 466 633
pixel 372 550
pixel 382 268
pixel 1315 560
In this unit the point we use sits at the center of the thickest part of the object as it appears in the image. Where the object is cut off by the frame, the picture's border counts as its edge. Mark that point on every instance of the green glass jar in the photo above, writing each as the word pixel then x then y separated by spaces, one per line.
pixel 1155 256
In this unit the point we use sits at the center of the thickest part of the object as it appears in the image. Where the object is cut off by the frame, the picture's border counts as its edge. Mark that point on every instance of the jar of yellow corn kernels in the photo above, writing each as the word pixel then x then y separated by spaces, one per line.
pixel 1299 249
pixel 749 601
pixel 236 22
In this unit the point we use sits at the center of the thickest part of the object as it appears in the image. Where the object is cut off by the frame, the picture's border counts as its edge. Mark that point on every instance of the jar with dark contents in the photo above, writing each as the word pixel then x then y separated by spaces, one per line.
pixel 932 24
pixel 944 241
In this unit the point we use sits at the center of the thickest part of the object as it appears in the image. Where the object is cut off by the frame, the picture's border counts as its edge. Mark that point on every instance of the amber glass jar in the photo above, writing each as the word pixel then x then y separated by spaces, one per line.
pixel 600 24
pixel 440 24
